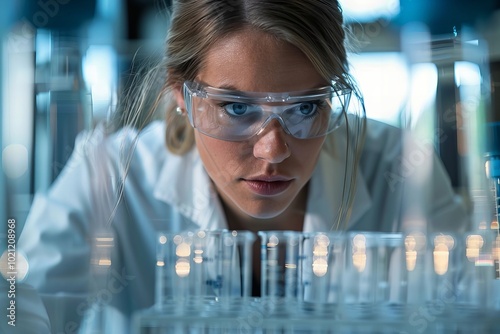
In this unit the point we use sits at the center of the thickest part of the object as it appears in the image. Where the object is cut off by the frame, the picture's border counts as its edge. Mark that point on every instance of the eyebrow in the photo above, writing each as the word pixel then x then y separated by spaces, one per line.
pixel 228 87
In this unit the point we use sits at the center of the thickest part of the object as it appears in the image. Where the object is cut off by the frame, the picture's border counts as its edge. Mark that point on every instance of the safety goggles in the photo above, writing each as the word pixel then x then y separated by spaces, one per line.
pixel 237 115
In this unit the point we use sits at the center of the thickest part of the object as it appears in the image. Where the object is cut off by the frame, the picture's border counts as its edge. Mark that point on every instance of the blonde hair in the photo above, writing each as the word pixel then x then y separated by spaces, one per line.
pixel 314 26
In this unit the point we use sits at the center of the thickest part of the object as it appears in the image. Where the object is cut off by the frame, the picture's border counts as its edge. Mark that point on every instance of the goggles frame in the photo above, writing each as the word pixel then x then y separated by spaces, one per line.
pixel 277 102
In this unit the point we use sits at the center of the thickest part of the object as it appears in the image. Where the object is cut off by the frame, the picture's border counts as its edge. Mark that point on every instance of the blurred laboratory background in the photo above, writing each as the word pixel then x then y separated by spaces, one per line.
pixel 429 65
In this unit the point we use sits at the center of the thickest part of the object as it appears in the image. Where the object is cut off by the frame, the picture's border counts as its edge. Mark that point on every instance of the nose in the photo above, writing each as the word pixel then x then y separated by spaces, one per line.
pixel 271 143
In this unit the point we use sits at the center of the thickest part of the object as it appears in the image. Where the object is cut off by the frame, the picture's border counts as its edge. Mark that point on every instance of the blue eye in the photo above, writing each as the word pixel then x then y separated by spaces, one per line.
pixel 307 108
pixel 236 108
pixel 240 109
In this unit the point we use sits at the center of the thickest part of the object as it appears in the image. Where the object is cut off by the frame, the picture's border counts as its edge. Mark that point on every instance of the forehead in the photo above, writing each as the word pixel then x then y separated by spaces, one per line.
pixel 251 60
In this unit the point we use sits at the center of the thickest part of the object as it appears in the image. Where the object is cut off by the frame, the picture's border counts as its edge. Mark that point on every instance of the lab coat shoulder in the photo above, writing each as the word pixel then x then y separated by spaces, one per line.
pixel 56 235
pixel 82 202
pixel 407 183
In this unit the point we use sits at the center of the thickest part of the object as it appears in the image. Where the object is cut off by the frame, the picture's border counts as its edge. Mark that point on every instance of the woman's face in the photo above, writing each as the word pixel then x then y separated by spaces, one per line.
pixel 260 177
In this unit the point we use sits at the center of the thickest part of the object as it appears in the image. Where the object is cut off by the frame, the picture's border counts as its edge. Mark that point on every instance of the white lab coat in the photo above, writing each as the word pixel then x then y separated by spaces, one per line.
pixel 165 192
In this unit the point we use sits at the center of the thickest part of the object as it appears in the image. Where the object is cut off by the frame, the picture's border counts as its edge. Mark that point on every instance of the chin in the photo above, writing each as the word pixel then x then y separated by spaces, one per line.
pixel 264 213
pixel 261 208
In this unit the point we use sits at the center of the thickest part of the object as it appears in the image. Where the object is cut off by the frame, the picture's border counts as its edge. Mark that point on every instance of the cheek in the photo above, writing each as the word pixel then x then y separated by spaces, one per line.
pixel 221 158
pixel 307 151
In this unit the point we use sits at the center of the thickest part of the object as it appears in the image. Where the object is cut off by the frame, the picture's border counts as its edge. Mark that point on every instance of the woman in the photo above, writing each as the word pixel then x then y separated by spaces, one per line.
pixel 265 130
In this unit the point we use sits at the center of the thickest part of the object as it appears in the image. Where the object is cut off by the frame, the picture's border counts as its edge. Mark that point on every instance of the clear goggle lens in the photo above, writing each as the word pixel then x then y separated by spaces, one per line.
pixel 236 115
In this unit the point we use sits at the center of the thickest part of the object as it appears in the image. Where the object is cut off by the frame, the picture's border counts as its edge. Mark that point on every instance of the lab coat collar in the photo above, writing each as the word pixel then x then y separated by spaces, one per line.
pixel 184 184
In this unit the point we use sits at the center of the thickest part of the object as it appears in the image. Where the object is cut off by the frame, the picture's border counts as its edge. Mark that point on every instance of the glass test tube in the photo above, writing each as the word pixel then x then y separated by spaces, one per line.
pixel 323 264
pixel 373 276
pixel 236 263
pixel 449 274
pixel 198 265
pixel 172 268
pixel 280 264
pixel 391 276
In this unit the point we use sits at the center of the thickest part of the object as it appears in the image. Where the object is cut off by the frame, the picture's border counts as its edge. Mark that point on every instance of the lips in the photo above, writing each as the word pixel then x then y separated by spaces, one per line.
pixel 268 185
